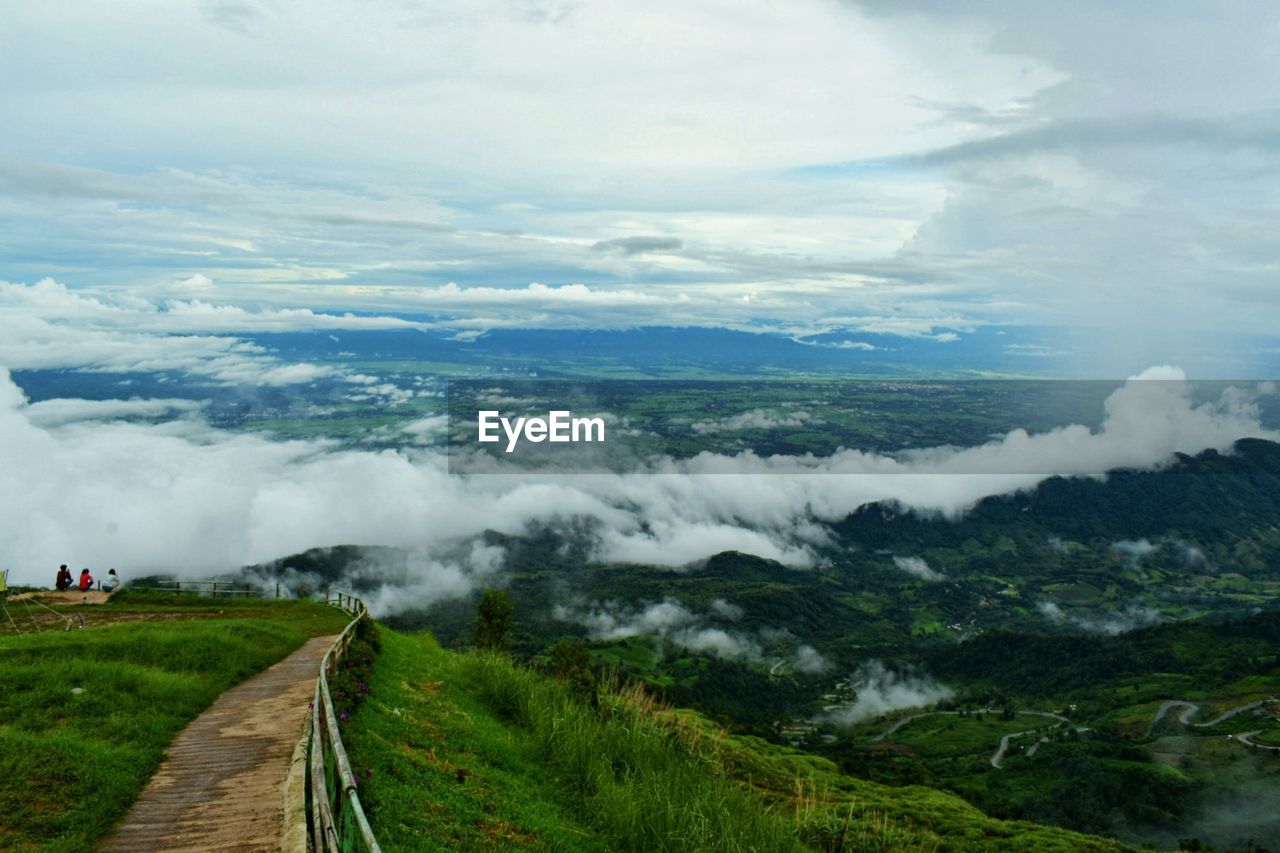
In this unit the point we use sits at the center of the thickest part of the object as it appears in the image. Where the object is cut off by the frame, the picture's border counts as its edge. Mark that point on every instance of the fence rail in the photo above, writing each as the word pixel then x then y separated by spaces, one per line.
pixel 338 822
pixel 213 588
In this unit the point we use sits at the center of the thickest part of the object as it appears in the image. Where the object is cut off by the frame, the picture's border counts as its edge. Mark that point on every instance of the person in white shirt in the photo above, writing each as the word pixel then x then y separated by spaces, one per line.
pixel 111 582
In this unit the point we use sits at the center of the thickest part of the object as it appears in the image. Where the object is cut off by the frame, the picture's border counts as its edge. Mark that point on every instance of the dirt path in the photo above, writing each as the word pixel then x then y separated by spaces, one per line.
pixel 221 787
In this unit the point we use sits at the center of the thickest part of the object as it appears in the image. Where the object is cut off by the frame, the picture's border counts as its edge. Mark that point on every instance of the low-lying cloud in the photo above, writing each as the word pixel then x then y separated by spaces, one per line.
pixel 668 619
pixel 917 567
pixel 880 690
pixel 673 622
pixel 183 496
pixel 1135 551
pixel 754 419
pixel 396 581
pixel 1111 623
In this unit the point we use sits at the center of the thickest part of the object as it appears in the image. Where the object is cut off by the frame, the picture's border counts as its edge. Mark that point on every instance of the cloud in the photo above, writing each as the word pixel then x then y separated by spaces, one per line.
pixel 669 620
pixel 198 281
pixel 638 245
pixel 1255 131
pixel 726 610
pixel 51 302
pixel 182 495
pixel 1132 617
pixel 59 411
pixel 881 690
pixel 934 171
pixel 809 661
pixel 1133 550
pixel 754 419
pixel 917 567
pixel 392 582
pixel 660 181
pixel 675 623
pixel 236 16
pixel 49 326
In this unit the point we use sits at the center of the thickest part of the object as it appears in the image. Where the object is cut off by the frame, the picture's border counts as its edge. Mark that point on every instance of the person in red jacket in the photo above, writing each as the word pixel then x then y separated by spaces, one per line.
pixel 86 580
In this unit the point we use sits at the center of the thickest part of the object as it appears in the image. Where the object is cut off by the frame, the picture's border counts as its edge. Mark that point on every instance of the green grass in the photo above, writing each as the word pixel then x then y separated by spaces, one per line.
pixel 85 716
pixel 946 735
pixel 472 751
pixel 440 771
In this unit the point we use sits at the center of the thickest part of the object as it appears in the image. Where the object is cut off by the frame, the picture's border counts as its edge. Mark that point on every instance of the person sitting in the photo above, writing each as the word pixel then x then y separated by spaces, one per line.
pixel 86 580
pixel 111 582
pixel 64 578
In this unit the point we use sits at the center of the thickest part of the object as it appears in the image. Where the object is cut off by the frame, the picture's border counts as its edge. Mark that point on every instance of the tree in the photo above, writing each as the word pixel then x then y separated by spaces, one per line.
pixel 494 619
pixel 571 662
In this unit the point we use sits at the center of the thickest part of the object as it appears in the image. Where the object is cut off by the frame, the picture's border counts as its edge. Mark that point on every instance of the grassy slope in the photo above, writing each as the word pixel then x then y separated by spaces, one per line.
pixel 72 763
pixel 470 751
pixel 438 770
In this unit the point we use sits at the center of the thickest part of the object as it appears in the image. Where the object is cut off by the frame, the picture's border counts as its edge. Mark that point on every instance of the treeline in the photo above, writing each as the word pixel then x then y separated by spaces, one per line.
pixel 1036 665
pixel 1206 498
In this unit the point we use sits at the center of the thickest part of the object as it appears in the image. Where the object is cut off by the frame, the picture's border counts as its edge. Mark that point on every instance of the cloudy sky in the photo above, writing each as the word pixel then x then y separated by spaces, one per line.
pixel 801 166
pixel 178 176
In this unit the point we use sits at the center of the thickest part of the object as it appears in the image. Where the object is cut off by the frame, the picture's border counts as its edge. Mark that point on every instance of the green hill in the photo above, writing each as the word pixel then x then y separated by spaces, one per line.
pixel 470 750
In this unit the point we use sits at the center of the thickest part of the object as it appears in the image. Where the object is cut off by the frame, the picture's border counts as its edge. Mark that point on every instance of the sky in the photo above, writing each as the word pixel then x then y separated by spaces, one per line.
pixel 176 177
pixel 799 167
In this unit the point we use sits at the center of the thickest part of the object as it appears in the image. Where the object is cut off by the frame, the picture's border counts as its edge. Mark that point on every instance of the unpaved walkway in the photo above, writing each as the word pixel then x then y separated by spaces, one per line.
pixel 221 787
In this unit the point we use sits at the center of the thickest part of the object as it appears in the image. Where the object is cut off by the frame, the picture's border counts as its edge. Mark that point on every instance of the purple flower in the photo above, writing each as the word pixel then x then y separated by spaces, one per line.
pixel 343 716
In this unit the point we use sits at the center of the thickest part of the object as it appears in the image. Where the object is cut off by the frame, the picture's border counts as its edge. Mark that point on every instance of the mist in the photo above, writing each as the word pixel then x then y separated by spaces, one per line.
pixel 93 488
pixel 918 568
pixel 881 690
pixel 1111 623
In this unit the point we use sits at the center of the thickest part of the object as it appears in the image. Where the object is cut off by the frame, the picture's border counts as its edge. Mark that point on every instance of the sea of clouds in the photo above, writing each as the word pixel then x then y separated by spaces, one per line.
pixel 88 483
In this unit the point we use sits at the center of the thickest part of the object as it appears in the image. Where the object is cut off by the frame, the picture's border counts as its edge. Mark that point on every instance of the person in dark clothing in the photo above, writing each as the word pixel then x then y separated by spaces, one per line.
pixel 86 580
pixel 64 578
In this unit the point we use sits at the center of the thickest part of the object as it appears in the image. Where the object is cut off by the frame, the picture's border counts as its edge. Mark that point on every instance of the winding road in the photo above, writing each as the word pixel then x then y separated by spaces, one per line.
pixel 1247 740
pixel 1189 710
pixel 998 757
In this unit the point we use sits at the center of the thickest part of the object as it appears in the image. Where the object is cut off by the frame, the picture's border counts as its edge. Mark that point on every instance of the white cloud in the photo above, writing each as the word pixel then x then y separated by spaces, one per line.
pixel 198 281
pixel 49 326
pixel 809 661
pixel 184 496
pixel 726 610
pixel 926 171
pixel 754 419
pixel 1134 550
pixel 677 624
pixel 881 690
pixel 60 411
pixel 917 567
pixel 1114 622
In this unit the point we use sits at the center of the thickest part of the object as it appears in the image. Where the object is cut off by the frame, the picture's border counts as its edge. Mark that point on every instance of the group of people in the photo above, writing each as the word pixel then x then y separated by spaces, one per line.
pixel 65 581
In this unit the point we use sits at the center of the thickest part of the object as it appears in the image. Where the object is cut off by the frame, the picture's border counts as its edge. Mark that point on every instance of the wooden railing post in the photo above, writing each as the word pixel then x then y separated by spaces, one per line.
pixel 335 804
